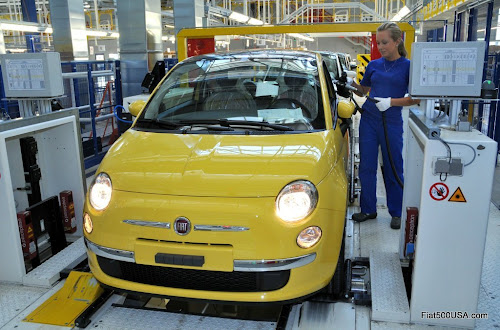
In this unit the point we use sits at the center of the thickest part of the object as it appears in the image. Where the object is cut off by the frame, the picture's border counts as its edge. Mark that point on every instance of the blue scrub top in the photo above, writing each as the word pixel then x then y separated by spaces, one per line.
pixel 386 79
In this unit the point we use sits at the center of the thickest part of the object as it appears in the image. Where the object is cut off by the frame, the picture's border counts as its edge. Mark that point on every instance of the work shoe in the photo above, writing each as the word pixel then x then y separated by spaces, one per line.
pixel 396 222
pixel 360 217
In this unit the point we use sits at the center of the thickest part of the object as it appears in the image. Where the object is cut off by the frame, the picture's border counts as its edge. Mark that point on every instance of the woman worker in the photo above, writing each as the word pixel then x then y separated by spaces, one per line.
pixel 387 81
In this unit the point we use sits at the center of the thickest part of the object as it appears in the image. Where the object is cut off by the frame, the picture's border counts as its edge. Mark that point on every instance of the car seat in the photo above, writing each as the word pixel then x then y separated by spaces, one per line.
pixel 226 96
pixel 297 87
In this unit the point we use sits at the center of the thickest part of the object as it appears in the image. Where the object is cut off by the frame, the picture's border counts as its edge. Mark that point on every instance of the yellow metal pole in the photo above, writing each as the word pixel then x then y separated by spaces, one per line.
pixel 185 34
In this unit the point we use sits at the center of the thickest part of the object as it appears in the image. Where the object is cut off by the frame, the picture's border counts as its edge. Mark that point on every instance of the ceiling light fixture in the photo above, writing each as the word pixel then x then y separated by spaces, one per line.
pixel 300 36
pixel 95 33
pixel 254 21
pixel 401 14
pixel 20 27
pixel 239 17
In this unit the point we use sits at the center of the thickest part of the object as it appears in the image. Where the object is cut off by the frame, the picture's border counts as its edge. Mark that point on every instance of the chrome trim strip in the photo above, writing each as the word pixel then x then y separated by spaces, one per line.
pixel 155 224
pixel 110 253
pixel 273 264
pixel 220 228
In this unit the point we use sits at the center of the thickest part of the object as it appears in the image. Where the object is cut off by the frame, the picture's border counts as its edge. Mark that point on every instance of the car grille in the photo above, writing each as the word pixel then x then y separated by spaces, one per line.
pixel 194 279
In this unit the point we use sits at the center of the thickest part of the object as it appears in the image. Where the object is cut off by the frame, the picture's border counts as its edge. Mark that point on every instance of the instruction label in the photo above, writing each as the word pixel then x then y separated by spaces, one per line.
pixel 458 196
pixel 448 67
pixel 439 191
pixel 25 74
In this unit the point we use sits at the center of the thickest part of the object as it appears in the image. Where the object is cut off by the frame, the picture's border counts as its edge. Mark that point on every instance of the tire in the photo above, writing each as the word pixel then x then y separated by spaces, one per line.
pixel 337 284
pixel 339 276
pixel 351 169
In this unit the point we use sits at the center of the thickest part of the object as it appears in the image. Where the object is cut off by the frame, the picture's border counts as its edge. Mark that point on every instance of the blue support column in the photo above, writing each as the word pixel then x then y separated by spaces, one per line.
pixel 118 84
pixel 445 30
pixel 472 30
pixel 458 26
pixel 495 105
pixel 92 107
pixel 28 8
pixel 487 36
pixel 75 85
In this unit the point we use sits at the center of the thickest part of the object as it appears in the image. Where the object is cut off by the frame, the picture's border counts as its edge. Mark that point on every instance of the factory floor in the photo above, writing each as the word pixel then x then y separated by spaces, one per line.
pixel 495 194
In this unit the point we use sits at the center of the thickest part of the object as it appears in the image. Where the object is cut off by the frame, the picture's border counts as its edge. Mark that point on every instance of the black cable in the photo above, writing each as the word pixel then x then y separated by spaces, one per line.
pixel 391 160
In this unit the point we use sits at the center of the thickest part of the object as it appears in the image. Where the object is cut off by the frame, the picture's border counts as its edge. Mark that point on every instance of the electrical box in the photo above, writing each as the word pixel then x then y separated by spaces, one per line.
pixel 58 154
pixel 32 75
pixel 446 69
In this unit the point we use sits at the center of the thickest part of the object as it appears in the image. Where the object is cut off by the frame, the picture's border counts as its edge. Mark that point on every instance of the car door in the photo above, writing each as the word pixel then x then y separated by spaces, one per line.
pixel 338 133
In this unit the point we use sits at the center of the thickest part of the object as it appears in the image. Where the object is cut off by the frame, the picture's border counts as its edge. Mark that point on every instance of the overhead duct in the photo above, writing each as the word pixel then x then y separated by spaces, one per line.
pixel 140 43
pixel 68 24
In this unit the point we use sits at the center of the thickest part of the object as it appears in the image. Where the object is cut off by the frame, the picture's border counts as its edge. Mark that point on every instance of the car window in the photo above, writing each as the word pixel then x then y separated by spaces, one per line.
pixel 331 63
pixel 331 95
pixel 280 90
pixel 343 62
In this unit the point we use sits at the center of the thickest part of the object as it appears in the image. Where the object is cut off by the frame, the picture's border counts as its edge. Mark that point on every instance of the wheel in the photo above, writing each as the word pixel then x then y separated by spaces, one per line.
pixel 338 279
pixel 337 284
pixel 351 166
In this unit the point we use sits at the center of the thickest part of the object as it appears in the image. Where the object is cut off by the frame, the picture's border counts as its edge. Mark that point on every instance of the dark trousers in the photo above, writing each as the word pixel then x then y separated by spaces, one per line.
pixel 371 136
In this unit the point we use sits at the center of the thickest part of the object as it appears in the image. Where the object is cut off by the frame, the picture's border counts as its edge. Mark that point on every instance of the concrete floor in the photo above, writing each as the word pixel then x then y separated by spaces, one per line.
pixel 495 194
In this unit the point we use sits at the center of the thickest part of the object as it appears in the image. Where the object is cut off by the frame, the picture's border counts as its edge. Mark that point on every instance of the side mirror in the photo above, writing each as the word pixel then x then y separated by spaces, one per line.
pixel 345 109
pixel 353 65
pixel 136 107
pixel 351 74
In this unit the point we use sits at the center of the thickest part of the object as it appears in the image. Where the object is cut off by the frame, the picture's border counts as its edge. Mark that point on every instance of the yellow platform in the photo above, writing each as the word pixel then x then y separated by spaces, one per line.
pixel 79 291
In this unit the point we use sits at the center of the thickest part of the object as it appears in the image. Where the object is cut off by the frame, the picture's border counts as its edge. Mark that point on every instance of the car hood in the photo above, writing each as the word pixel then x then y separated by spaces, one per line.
pixel 217 165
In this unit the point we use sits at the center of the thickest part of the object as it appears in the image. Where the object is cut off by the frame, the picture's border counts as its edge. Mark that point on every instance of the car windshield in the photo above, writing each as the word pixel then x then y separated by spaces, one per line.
pixel 238 93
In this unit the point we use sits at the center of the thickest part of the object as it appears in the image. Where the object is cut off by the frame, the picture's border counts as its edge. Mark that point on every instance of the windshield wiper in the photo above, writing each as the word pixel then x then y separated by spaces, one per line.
pixel 159 122
pixel 229 123
pixel 204 123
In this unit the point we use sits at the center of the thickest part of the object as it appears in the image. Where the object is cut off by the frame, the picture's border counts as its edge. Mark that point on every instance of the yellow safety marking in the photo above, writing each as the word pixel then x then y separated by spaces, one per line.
pixel 363 60
pixel 79 291
pixel 458 196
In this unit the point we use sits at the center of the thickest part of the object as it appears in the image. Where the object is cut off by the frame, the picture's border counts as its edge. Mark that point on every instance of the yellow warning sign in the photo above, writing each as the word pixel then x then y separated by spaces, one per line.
pixel 363 60
pixel 458 196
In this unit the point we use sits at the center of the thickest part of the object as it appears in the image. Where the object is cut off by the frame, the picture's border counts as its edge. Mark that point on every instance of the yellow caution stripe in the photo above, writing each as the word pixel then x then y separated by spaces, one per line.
pixel 363 60
pixel 79 291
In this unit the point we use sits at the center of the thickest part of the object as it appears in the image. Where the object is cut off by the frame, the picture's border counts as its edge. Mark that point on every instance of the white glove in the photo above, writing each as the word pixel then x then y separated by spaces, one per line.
pixel 349 81
pixel 383 103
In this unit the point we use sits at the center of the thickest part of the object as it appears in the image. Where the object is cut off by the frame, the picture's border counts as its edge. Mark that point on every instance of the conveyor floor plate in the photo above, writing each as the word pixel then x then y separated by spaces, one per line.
pixel 79 291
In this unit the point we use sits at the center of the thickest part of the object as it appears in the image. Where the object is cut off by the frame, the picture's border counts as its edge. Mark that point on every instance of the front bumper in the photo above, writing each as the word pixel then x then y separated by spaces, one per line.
pixel 262 265
pixel 266 283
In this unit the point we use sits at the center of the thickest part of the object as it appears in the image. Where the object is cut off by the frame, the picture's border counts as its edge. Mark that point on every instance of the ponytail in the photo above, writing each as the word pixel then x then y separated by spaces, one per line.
pixel 401 49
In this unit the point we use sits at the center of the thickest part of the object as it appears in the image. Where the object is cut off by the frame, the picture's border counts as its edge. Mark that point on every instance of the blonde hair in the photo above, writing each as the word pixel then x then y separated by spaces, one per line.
pixel 396 34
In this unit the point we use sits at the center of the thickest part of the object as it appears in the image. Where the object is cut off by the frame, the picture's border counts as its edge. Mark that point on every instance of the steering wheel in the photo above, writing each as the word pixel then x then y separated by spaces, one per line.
pixel 295 105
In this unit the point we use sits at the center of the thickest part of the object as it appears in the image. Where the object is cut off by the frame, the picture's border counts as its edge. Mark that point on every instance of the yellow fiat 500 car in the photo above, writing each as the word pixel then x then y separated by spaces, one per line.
pixel 229 186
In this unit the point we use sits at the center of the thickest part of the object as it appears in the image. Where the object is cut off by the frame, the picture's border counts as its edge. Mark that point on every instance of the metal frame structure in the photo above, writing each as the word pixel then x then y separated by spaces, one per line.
pixel 200 33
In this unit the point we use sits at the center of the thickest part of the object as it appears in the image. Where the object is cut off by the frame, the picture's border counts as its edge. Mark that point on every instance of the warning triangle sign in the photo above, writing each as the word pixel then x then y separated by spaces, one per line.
pixel 458 196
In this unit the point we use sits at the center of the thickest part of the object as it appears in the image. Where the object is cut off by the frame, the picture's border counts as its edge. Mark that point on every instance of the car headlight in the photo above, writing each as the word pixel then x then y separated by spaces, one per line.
pixel 100 192
pixel 296 201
